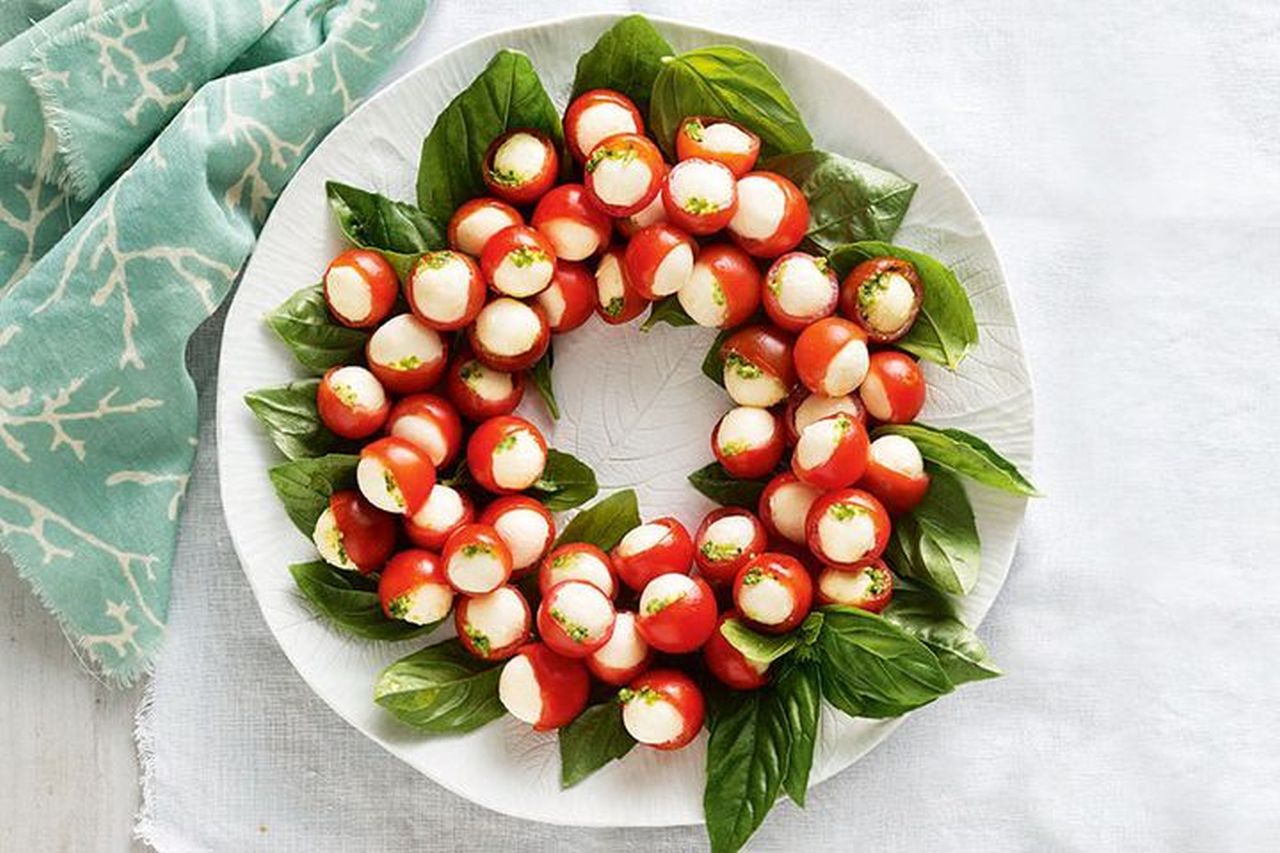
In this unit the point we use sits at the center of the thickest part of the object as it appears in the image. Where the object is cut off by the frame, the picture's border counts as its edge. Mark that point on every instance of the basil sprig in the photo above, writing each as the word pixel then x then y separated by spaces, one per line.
pixel 565 483
pixel 604 523
pixel 541 376
pixel 965 454
pixel 594 739
pixel 716 483
pixel 289 414
pixel 317 342
pixel 350 601
pixel 937 541
pixel 627 59
pixel 304 486
pixel 441 689
pixel 931 618
pixel 399 231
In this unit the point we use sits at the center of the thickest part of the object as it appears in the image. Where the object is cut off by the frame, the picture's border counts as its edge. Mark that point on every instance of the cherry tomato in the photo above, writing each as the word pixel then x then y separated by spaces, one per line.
pixel 477 220
pixel 758 367
pixel 395 475
pixel 509 334
pixel 655 548
pixel 720 140
pixel 360 288
pixel 542 688
pixel 495 625
pixel 784 507
pixel 445 290
pixel 476 560
pixel 653 213
pixel 868 585
pixel 799 289
pixel 624 656
pixel 353 534
pixel 831 452
pixel 895 473
pixel 518 261
pixel 883 296
pixel 729 666
pixel 406 355
pixel 723 290
pixel 659 260
pixel 431 423
pixel 773 592
pixel 479 391
pixel 506 454
pixel 617 300
pixel 594 116
pixel 847 527
pixel 804 408
pixel 700 196
pixel 747 442
pixel 677 613
pixel 570 298
pixel 623 173
pixel 578 561
pixel 831 357
pixel 772 215
pixel 445 511
pixel 412 588
pixel 894 389
pixel 526 526
pixel 726 540
pixel 575 618
pixel 663 709
pixel 351 402
pixel 573 226
pixel 521 165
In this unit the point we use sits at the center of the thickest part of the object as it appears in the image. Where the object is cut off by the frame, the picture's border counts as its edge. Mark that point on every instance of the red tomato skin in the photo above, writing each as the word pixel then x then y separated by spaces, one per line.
pixel 613 676
pixel 531 190
pixel 684 625
pixel 512 363
pixel 729 666
pixel 501 653
pixel 790 231
pixel 467 209
pixel 378 274
pixel 700 224
pixel 645 150
pixel 772 301
pixel 406 572
pixel 547 577
pixel 342 420
pixel 673 554
pixel 438 411
pixel 646 252
pixel 569 201
pixel 873 603
pixel 476 534
pixel 870 268
pixel 500 507
pixel 768 348
pixel 902 383
pixel 720 573
pixel 846 463
pixel 633 303
pixel 879 517
pixel 588 99
pixel 509 240
pixel 753 462
pixel 564 682
pixel 410 465
pixel 554 635
pixel 818 344
pixel 433 540
pixel 470 404
pixel 576 287
pixel 368 533
pixel 681 692
pixel 856 410
pixel 898 492
pixel 475 295
pixel 688 147
pixel 484 441
pixel 789 572
pixel 412 381
pixel 739 278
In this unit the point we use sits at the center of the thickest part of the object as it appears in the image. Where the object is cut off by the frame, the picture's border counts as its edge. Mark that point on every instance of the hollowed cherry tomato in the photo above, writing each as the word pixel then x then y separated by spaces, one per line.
pixel 617 300
pixel 406 355
pixel 652 213
pixel 895 473
pixel 506 454
pixel 353 534
pixel 413 588
pixel 803 408
pixel 894 389
pixel 527 528
pixel 495 625
pixel 624 656
pixel 799 289
pixel 659 260
pixel 773 592
pixel 445 511
pixel 831 452
pixel 847 527
pixel 518 261
pixel 477 220
pixel 772 215
pixel 748 442
pixel 726 540
pixel 784 507
pixel 570 298
pixel 758 366
pixel 677 613
pixel 360 288
pixel 521 165
pixel 352 402
pixel 663 709
pixel 445 290
pixel 729 666
pixel 395 475
pixel 594 116
pixel 578 561
pixel 700 196
pixel 655 548
pixel 573 226
pixel 831 357
pixel 430 422
pixel 575 618
pixel 723 289
pixel 479 391
pixel 868 585
pixel 476 560
pixel 542 688
pixel 623 173
pixel 883 296
pixel 720 140
pixel 509 334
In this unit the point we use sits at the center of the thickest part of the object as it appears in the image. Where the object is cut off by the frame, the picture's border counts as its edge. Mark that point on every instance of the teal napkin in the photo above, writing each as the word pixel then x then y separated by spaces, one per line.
pixel 99 293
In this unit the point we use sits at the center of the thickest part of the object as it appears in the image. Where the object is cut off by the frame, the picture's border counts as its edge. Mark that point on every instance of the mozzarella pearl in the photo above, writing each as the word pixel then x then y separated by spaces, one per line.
pixel 757 388
pixel 573 240
pixel 728 537
pixel 552 303
pixel 843 586
pixel 875 398
pixel 442 509
pixel 767 601
pixel 378 485
pixel 819 441
pixel 496 620
pixel 522 156
pixel 703 297
pixel 621 181
pixel 653 212
pixel 725 137
pixel 665 590
pixel 405 342
pixel 651 719
pixel 348 293
pixel 847 369
pixel 523 272
pixel 600 121
pixel 642 538
pixel 441 288
pixel 897 453
pixel 846 533
pixel 328 539
pixel 487 383
pixel 475 571
pixel 761 204
pixel 519 465
pixel 789 508
pixel 476 228
pixel 423 432
pixel 673 270
pixel 508 328
pixel 815 407
pixel 581 566
pixel 745 428
pixel 526 533
pixel 357 388
pixel 890 305
pixel 519 690
pixel 803 290
pixel 582 610
pixel 625 647
pixel 701 186
pixel 429 603
pixel 610 285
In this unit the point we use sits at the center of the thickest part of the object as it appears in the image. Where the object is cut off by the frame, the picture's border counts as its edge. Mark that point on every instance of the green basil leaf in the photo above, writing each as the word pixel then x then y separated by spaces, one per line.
pixel 441 689
pixel 292 420
pixel 931 618
pixel 541 376
pixel 401 232
pixel 871 667
pixel 762 648
pixel 713 363
pixel 304 486
pixel 350 601
pixel 747 757
pixel 945 330
pixel 798 693
pixel 964 454
pixel 506 96
pixel 810 628
pixel 627 59
pixel 565 483
pixel 848 200
pixel 731 83
pixel 604 523
pixel 317 342
pixel 714 482
pixel 669 311
pixel 591 741
pixel 937 542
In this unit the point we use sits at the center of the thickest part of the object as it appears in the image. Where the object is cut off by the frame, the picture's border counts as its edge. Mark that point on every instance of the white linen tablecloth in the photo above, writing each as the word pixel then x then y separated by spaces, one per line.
pixel 1127 159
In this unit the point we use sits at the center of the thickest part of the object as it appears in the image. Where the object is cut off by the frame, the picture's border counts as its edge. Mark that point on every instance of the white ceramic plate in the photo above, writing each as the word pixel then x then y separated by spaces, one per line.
pixel 635 406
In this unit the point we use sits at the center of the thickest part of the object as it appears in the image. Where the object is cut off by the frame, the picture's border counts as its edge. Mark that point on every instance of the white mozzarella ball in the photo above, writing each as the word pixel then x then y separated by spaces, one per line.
pixel 891 303
pixel 642 538
pixel 625 647
pixel 348 293
pixel 703 297
pixel 378 485
pixel 767 601
pixel 357 388
pixel 701 186
pixel 519 690
pixel 802 290
pixel 328 538
pixel 519 465
pixel 815 407
pixel 610 285
pixel 600 121
pixel 726 538
pixel 405 342
pixel 840 585
pixel 750 386
pixel 582 610
pixel 424 433
pixel 846 533
pixel 573 240
pixel 651 719
pixel 429 603
pixel 761 204
pixel 745 428
pixel 442 509
pixel 526 533
pixel 897 453
pixel 875 398
pixel 441 288
pixel 725 137
pixel 847 369
pixel 665 590
pixel 520 158
pixel 819 441
pixel 789 508
pixel 621 181
pixel 476 228
pixel 673 270
pixel 581 566
pixel 487 383
pixel 496 620
pixel 475 571
pixel 523 272
pixel 507 327
pixel 551 301
pixel 652 213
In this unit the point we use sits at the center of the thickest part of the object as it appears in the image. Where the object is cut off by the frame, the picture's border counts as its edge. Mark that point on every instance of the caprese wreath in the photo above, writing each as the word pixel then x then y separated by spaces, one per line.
pixel 844 529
